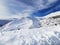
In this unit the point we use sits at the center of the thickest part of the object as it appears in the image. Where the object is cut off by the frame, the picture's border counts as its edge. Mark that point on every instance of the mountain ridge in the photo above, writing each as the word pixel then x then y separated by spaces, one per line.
pixel 31 31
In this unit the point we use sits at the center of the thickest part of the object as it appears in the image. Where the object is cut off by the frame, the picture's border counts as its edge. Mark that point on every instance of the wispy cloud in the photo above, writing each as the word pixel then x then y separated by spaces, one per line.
pixel 17 9
pixel 3 10
pixel 6 10
pixel 42 4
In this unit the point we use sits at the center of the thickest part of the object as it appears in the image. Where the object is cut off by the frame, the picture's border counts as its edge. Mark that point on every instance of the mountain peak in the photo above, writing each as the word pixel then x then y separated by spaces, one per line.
pixel 39 31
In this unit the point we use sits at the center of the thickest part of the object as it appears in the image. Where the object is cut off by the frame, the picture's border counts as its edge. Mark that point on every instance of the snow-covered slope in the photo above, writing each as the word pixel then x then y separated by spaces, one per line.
pixel 31 31
pixel 52 14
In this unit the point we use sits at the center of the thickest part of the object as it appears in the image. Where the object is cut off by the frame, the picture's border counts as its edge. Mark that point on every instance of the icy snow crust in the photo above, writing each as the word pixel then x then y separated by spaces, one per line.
pixel 28 31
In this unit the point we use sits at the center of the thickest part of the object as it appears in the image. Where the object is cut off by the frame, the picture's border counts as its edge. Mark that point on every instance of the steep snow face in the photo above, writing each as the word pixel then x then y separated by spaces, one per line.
pixel 50 22
pixel 51 19
pixel 31 31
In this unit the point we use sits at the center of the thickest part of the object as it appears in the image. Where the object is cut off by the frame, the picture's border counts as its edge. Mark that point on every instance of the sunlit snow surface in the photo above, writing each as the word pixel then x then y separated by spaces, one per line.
pixel 38 36
pixel 25 29
pixel 25 32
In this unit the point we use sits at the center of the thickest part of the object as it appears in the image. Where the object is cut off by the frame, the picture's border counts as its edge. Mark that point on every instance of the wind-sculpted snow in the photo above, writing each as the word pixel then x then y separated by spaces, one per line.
pixel 24 31
pixel 36 36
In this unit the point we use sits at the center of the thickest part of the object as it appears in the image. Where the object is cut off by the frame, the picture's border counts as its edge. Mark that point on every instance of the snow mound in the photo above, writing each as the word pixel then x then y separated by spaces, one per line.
pixel 31 31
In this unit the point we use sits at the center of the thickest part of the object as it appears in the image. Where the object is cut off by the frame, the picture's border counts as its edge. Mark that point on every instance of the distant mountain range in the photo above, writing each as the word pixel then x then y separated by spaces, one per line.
pixel 3 22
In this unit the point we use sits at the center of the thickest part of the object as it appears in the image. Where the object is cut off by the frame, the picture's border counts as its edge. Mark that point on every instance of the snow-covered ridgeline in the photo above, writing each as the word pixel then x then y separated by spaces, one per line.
pixel 28 31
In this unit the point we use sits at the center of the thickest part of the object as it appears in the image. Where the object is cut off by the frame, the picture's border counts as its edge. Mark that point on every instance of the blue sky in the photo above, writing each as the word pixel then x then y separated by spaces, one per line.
pixel 20 8
pixel 54 8
pixel 23 8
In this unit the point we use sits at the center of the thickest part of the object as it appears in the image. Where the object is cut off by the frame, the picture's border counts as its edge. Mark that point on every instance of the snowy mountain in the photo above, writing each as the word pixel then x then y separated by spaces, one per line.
pixel 32 31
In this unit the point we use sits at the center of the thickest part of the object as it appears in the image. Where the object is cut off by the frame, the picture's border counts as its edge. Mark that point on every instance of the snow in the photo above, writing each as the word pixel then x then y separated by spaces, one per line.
pixel 35 36
pixel 52 14
pixel 28 31
pixel 25 29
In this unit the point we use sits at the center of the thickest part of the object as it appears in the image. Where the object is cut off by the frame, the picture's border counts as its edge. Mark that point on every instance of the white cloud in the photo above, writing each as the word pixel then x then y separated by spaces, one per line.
pixel 42 4
pixel 6 14
pixel 3 11
pixel 27 9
